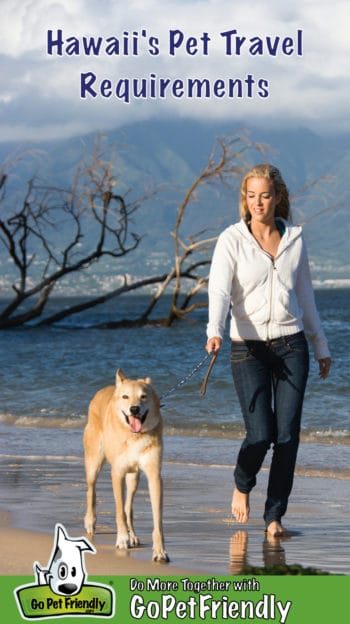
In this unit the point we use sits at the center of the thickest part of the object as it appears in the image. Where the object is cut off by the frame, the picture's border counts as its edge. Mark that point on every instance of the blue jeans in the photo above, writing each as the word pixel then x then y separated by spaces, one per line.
pixel 270 380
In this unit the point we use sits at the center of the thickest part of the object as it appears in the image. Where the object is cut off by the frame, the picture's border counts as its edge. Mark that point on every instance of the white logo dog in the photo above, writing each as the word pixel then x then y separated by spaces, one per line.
pixel 66 572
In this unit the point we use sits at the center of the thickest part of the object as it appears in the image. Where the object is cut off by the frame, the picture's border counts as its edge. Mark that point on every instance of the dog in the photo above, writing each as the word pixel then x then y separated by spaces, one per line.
pixel 125 428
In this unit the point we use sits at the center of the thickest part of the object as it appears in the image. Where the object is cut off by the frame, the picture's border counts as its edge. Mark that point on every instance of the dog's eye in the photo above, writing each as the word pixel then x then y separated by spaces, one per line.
pixel 74 571
pixel 62 571
pixel 143 397
pixel 125 396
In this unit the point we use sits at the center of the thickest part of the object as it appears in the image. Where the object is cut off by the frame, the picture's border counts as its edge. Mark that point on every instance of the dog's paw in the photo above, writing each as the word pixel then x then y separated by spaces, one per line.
pixel 133 540
pixel 161 556
pixel 122 542
pixel 89 524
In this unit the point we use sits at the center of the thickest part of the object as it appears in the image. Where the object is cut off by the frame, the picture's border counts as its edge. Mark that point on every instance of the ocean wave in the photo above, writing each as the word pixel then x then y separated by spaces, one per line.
pixel 331 283
pixel 233 431
pixel 330 436
pixel 41 458
pixel 44 422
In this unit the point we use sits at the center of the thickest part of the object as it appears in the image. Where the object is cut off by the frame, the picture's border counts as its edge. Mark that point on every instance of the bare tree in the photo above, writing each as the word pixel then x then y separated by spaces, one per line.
pixel 50 227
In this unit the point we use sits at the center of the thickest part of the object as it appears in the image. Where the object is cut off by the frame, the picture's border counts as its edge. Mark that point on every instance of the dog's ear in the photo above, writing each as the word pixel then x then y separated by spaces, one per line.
pixel 147 380
pixel 120 377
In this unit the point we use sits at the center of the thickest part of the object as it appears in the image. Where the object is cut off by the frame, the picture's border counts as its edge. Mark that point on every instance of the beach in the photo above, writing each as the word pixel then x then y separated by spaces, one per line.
pixel 200 534
pixel 51 374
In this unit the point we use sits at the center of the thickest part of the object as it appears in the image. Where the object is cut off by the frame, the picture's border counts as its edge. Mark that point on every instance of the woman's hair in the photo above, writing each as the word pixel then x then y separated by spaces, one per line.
pixel 270 173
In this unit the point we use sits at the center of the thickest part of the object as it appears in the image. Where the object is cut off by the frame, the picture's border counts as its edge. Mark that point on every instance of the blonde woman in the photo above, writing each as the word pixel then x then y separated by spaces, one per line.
pixel 260 273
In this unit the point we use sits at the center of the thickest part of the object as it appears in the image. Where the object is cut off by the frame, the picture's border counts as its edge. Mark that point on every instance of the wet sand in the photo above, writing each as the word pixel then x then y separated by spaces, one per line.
pixel 201 536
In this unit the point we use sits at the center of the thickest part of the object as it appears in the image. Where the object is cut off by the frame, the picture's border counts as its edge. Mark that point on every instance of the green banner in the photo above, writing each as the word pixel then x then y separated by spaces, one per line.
pixel 170 600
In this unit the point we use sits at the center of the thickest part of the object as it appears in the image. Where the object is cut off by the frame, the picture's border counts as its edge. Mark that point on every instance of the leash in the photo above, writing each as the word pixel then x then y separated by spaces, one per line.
pixel 182 381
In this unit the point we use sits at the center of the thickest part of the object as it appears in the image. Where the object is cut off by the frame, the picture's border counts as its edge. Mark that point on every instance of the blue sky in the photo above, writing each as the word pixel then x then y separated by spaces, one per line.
pixel 40 94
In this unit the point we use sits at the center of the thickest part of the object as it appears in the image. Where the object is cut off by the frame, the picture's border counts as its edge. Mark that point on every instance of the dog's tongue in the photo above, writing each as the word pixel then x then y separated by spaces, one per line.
pixel 135 424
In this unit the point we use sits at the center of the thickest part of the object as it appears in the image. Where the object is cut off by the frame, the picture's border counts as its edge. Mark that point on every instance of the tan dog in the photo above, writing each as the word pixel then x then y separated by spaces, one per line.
pixel 125 427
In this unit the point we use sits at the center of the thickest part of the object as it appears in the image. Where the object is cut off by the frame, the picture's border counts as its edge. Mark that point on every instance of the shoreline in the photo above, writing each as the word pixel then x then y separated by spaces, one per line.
pixel 201 536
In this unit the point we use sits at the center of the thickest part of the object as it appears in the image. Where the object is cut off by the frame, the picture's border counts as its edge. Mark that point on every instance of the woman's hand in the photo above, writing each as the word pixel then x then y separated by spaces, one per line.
pixel 214 344
pixel 324 366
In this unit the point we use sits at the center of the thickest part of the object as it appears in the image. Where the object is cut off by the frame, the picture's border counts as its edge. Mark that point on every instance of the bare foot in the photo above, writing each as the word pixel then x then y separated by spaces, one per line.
pixel 240 506
pixel 275 529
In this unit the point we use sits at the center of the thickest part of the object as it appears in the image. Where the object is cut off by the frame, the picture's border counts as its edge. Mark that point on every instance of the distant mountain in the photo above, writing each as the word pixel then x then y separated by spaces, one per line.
pixel 170 154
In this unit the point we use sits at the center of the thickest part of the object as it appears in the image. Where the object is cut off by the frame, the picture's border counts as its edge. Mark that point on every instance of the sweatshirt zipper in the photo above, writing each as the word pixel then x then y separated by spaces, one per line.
pixel 271 290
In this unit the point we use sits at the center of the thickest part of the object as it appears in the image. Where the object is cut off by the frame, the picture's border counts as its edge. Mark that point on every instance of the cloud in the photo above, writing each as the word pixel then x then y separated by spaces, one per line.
pixel 40 94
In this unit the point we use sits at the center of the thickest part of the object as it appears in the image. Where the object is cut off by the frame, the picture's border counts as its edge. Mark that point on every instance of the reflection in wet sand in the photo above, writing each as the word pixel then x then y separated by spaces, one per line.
pixel 272 550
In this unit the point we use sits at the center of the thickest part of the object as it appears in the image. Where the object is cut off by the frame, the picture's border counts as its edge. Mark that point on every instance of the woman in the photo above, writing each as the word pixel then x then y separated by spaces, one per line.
pixel 260 270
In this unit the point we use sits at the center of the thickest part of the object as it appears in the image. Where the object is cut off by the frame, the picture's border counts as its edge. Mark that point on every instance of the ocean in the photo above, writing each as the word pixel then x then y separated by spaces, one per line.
pixel 49 375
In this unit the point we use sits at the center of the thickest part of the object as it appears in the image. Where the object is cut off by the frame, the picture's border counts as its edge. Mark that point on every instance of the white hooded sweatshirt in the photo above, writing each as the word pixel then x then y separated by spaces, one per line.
pixel 269 297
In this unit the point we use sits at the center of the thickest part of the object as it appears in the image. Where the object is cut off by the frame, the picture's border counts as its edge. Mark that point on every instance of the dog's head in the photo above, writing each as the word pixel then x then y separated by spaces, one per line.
pixel 137 403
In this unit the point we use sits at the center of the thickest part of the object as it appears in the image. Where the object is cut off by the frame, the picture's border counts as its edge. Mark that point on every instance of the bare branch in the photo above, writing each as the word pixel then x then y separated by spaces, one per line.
pixel 66 229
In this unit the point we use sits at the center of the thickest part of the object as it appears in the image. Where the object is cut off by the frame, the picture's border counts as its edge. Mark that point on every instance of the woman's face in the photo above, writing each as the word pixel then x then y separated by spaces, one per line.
pixel 261 200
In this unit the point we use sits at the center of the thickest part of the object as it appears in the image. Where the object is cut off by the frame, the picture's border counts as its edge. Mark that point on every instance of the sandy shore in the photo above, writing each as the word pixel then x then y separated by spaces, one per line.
pixel 200 535
pixel 20 548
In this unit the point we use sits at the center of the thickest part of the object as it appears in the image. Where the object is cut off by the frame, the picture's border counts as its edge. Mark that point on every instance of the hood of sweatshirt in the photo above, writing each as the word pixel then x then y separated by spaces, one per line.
pixel 291 234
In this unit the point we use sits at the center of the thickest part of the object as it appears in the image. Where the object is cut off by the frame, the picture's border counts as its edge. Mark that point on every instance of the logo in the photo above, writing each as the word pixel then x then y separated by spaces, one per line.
pixel 60 588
